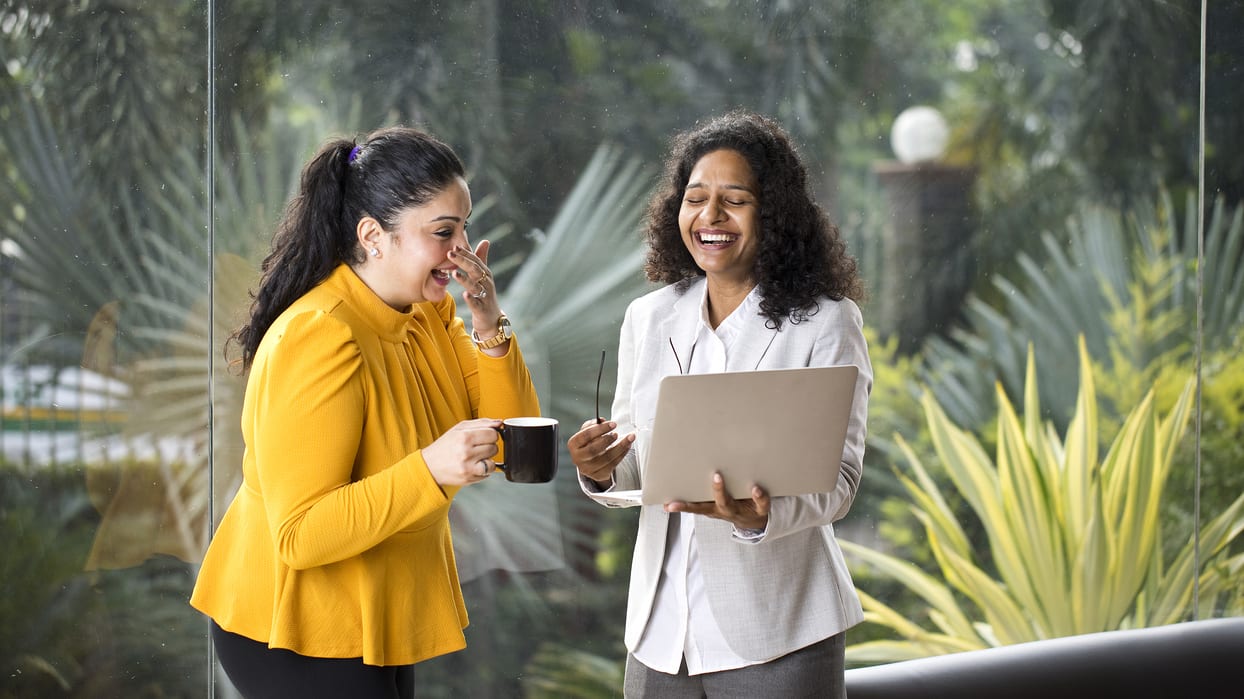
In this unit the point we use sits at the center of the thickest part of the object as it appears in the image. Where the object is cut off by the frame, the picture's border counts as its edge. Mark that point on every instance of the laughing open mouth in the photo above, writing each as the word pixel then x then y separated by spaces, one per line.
pixel 715 237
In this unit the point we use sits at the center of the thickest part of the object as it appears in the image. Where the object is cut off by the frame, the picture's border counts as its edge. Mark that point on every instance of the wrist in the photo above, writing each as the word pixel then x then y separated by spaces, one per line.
pixel 495 336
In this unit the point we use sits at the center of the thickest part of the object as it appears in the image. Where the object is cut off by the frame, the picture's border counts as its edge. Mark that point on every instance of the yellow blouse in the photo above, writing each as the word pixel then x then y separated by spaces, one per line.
pixel 337 544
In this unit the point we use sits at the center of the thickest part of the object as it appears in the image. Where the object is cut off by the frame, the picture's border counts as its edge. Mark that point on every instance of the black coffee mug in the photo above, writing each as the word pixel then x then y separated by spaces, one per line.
pixel 530 449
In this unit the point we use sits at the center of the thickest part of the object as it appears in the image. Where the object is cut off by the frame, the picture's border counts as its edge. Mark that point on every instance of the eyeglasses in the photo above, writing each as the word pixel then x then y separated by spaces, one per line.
pixel 690 356
pixel 599 373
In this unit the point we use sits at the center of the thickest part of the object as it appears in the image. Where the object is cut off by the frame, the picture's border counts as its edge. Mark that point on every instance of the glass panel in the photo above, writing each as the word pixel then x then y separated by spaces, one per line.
pixel 1220 481
pixel 103 485
pixel 1048 195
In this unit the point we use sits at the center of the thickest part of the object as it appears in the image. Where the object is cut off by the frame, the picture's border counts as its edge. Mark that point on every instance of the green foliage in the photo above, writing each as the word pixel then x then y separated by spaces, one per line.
pixel 559 671
pixel 1220 450
pixel 1075 541
pixel 1128 284
pixel 134 71
pixel 45 530
pixel 65 631
pixel 893 405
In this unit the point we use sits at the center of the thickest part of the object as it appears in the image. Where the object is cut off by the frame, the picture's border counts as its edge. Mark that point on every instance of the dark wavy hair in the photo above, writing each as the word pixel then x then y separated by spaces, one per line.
pixel 802 256
pixel 392 169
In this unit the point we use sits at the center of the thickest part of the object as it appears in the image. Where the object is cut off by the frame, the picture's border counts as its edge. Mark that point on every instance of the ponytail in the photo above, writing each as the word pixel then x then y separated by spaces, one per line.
pixel 391 170
pixel 310 241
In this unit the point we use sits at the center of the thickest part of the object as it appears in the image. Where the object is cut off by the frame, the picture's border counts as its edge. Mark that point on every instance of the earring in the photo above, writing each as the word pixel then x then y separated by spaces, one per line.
pixel 375 252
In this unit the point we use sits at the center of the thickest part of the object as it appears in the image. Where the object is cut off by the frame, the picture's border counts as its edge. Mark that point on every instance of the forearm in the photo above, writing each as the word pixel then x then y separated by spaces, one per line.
pixel 354 517
pixel 505 388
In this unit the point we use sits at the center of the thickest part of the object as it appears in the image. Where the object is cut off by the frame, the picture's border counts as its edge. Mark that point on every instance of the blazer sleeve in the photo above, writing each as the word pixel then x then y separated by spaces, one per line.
pixel 840 340
pixel 626 475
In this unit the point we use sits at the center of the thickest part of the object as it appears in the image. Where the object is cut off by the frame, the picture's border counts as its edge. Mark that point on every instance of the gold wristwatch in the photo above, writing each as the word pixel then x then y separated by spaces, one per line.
pixel 504 333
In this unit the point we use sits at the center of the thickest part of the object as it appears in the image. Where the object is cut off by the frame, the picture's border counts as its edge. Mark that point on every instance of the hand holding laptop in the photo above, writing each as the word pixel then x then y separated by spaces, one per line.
pixel 744 513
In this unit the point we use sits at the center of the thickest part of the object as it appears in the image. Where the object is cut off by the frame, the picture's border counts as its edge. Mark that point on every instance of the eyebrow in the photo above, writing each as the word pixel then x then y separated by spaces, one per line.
pixel 739 187
pixel 447 217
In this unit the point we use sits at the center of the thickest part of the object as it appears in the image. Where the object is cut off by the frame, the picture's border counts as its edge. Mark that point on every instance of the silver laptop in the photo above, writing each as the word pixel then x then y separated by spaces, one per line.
pixel 783 429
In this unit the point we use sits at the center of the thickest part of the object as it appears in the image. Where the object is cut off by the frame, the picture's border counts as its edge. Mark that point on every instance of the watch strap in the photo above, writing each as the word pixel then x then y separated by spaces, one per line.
pixel 504 333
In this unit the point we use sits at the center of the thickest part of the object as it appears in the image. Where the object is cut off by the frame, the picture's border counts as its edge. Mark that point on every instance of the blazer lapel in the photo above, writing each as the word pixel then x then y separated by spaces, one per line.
pixel 680 328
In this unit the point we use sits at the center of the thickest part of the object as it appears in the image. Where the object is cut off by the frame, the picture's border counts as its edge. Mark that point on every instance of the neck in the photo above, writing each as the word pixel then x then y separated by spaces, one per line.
pixel 724 296
pixel 372 278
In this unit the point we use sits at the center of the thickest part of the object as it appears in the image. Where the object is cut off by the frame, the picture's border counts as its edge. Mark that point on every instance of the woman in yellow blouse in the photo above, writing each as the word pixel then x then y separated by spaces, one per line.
pixel 368 406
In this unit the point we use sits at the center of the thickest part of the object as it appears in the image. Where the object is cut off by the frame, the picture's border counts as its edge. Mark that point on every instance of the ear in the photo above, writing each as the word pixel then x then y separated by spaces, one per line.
pixel 369 232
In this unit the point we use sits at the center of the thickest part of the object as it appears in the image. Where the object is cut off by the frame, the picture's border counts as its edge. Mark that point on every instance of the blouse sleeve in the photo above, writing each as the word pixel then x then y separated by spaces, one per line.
pixel 499 387
pixel 307 421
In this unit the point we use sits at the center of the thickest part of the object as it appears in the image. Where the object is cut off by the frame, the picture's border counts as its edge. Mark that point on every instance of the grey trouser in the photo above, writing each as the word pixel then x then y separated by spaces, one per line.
pixel 814 671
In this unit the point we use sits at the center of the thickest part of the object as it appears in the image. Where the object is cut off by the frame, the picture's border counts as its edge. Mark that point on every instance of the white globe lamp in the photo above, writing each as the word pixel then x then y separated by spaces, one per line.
pixel 919 135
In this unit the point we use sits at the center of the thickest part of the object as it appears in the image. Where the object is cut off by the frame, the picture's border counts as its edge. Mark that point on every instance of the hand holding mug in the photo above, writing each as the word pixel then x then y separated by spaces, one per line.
pixel 463 455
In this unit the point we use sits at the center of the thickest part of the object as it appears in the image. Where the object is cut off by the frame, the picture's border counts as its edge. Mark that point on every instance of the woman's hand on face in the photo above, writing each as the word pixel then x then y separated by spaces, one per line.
pixel 479 288
pixel 463 455
pixel 750 513
pixel 596 450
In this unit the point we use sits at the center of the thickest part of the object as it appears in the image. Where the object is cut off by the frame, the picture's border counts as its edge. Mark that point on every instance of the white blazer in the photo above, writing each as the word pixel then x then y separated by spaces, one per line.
pixel 791 588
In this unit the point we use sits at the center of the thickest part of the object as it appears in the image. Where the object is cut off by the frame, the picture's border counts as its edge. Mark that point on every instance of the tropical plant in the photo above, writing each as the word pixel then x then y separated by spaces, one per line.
pixel 45 599
pixel 1075 540
pixel 1127 283
pixel 66 632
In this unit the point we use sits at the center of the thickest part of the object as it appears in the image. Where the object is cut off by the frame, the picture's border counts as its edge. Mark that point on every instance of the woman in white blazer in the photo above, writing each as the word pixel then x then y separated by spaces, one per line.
pixel 746 595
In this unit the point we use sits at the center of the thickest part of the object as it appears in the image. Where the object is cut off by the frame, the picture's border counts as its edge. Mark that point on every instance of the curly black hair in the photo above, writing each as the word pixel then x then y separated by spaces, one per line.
pixel 802 256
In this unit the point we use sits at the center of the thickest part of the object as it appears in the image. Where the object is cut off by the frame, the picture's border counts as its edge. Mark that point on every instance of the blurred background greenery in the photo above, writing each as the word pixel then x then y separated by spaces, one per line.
pixel 147 147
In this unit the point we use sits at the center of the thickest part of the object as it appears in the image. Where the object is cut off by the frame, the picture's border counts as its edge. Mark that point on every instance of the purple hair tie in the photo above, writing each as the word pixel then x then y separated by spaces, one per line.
pixel 354 153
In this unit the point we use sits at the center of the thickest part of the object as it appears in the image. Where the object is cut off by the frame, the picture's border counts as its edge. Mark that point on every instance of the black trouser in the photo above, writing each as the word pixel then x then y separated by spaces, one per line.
pixel 260 672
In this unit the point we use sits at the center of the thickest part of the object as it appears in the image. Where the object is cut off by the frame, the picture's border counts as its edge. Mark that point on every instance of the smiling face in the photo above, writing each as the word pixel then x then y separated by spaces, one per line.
pixel 720 217
pixel 412 264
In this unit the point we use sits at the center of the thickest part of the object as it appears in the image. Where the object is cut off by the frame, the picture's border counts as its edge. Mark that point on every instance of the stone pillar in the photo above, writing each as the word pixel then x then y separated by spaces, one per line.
pixel 927 261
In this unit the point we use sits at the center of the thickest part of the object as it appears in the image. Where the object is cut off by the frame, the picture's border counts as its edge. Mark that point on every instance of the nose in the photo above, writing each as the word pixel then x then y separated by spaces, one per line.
pixel 712 211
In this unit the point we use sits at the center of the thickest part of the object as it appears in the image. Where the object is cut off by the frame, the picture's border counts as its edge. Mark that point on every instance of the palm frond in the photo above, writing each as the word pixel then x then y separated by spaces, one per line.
pixel 567 301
